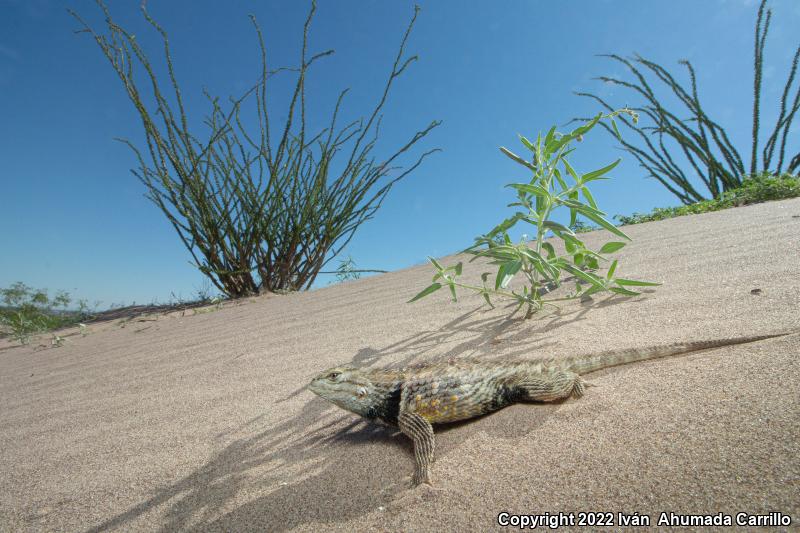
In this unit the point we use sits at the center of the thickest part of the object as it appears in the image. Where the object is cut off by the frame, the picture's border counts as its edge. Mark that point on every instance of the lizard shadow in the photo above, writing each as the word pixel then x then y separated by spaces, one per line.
pixel 346 471
pixel 292 466
pixel 322 466
pixel 358 479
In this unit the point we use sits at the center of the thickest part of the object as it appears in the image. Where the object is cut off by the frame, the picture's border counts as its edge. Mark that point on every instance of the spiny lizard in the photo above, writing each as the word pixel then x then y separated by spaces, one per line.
pixel 417 396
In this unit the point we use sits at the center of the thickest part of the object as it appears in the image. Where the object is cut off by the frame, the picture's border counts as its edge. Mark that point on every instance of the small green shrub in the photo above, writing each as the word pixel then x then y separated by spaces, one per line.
pixel 755 189
pixel 579 226
pixel 540 265
pixel 347 270
pixel 762 187
pixel 27 312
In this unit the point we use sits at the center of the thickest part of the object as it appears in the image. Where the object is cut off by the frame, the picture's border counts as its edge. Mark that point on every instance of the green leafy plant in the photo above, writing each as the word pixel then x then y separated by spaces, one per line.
pixel 762 187
pixel 540 265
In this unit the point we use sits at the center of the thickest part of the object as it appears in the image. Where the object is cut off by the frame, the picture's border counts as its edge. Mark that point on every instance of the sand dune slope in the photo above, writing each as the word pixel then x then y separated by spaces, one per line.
pixel 202 423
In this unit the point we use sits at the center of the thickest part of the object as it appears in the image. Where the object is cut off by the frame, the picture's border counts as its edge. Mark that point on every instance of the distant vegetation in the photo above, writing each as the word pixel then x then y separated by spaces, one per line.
pixel 676 150
pixel 27 312
pixel 265 210
pixel 347 270
pixel 761 188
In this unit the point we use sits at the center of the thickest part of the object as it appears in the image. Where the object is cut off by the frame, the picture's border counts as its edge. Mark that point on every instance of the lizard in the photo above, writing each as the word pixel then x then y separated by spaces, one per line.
pixel 415 397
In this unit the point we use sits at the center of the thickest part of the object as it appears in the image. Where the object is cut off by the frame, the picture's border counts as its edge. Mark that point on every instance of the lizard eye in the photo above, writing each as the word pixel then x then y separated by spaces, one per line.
pixel 333 375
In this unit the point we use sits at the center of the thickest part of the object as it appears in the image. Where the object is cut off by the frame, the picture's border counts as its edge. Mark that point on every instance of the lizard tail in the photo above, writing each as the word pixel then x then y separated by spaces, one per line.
pixel 585 364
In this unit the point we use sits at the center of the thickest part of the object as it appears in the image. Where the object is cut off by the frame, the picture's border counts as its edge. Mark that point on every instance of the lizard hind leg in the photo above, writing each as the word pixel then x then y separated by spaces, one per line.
pixel 552 386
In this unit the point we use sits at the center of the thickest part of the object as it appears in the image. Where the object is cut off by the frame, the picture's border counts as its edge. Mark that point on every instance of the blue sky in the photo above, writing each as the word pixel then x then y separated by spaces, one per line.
pixel 74 218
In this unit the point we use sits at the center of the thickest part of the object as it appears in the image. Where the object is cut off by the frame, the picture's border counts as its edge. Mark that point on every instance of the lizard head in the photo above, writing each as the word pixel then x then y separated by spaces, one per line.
pixel 347 387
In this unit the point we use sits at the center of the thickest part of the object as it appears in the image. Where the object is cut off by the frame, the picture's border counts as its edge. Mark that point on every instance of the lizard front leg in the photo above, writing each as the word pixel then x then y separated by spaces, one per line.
pixel 421 432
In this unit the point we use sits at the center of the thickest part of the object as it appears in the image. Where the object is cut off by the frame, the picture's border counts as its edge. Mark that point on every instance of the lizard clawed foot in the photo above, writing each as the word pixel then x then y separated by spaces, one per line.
pixel 579 387
pixel 423 487
pixel 421 477
pixel 415 493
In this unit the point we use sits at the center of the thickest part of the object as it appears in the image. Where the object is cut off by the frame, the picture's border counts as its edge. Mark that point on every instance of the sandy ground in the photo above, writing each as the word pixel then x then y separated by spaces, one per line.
pixel 202 423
